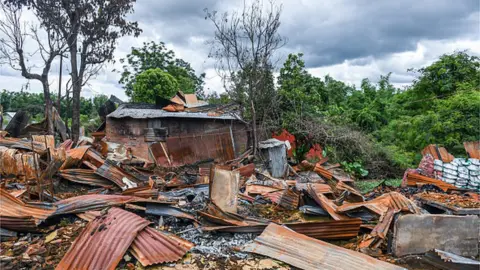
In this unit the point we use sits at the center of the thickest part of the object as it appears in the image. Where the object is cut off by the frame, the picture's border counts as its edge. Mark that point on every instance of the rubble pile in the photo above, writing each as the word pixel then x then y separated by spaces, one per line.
pixel 91 206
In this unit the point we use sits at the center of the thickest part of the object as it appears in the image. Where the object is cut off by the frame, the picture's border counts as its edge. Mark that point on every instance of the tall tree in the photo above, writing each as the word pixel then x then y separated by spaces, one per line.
pixel 244 45
pixel 47 42
pixel 91 29
pixel 156 55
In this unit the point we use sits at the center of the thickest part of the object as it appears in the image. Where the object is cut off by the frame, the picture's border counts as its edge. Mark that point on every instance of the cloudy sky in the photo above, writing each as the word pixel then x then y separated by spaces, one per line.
pixel 350 40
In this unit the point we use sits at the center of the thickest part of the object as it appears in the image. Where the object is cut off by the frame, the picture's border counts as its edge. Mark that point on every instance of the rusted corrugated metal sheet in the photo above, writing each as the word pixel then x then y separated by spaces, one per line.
pixel 153 247
pixel 252 189
pixel 188 150
pixel 86 203
pixel 167 210
pixel 47 140
pixel 438 153
pixel 17 215
pixel 17 193
pixel 19 164
pixel 86 177
pixel 118 176
pixel 355 195
pixel 308 253
pixel 326 204
pixel 413 179
pixel 335 229
pixel 287 199
pixel 384 223
pixel 380 205
pixel 473 149
pixel 15 143
pixel 74 157
pixel 104 241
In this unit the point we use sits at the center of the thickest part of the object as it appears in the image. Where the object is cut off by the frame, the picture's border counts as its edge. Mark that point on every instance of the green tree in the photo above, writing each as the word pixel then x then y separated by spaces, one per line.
pixel 155 55
pixel 153 83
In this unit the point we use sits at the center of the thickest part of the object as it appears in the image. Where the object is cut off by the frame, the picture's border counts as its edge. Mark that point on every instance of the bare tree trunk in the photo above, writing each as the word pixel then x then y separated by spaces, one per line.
pixel 59 97
pixel 76 89
pixel 254 128
pixel 48 107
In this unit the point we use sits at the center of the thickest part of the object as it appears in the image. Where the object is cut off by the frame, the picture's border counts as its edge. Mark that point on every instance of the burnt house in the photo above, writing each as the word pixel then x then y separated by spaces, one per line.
pixel 178 134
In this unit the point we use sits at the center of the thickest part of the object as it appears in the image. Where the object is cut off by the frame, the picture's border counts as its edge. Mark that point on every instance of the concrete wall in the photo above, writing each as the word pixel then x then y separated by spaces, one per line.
pixel 417 234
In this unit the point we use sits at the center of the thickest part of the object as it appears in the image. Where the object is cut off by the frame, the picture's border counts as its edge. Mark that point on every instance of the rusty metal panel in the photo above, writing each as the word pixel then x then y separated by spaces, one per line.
pixel 335 229
pixel 47 140
pixel 287 199
pixel 153 247
pixel 188 150
pixel 74 157
pixel 85 176
pixel 380 205
pixel 473 149
pixel 354 194
pixel 308 253
pixel 17 215
pixel 438 153
pixel 326 204
pixel 104 241
pixel 413 179
pixel 118 176
pixel 86 203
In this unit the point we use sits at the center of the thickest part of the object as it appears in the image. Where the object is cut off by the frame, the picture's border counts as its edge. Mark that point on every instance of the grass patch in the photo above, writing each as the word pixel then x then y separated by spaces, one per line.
pixel 368 185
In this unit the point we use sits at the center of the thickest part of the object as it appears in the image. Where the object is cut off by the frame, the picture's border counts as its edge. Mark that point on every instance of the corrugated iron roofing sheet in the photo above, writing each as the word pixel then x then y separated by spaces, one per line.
pixel 414 178
pixel 473 149
pixel 153 247
pixel 335 229
pixel 307 253
pixel 86 177
pixel 326 204
pixel 86 203
pixel 144 111
pixel 380 205
pixel 287 199
pixel 19 216
pixel 104 241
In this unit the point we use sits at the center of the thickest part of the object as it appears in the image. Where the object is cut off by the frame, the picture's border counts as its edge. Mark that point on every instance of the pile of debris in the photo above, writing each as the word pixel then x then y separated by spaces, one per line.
pixel 82 207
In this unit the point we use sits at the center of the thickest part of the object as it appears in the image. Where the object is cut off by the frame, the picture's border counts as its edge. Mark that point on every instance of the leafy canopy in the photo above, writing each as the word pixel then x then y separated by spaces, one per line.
pixel 156 56
pixel 153 83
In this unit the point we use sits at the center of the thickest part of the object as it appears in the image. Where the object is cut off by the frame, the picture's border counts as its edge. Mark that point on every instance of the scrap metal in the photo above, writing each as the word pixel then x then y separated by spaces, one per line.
pixel 104 241
pixel 118 176
pixel 286 199
pixel 326 204
pixel 18 216
pixel 153 247
pixel 449 261
pixel 334 229
pixel 438 153
pixel 167 210
pixel 413 179
pixel 305 252
pixel 382 204
pixel 86 177
pixel 473 149
pixel 86 203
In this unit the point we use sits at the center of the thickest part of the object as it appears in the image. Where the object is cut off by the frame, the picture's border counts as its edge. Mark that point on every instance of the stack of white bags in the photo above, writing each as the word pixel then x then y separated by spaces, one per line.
pixel 461 172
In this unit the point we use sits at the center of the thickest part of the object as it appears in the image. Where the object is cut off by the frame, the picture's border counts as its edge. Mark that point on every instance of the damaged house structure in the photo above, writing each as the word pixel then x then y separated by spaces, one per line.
pixel 182 130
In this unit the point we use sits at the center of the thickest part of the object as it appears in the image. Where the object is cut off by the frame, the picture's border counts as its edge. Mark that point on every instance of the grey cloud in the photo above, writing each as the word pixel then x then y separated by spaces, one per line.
pixel 378 28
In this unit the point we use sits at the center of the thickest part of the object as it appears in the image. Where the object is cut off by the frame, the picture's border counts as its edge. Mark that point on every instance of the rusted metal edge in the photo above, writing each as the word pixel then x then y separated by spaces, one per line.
pixel 104 241
pixel 154 247
pixel 307 253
